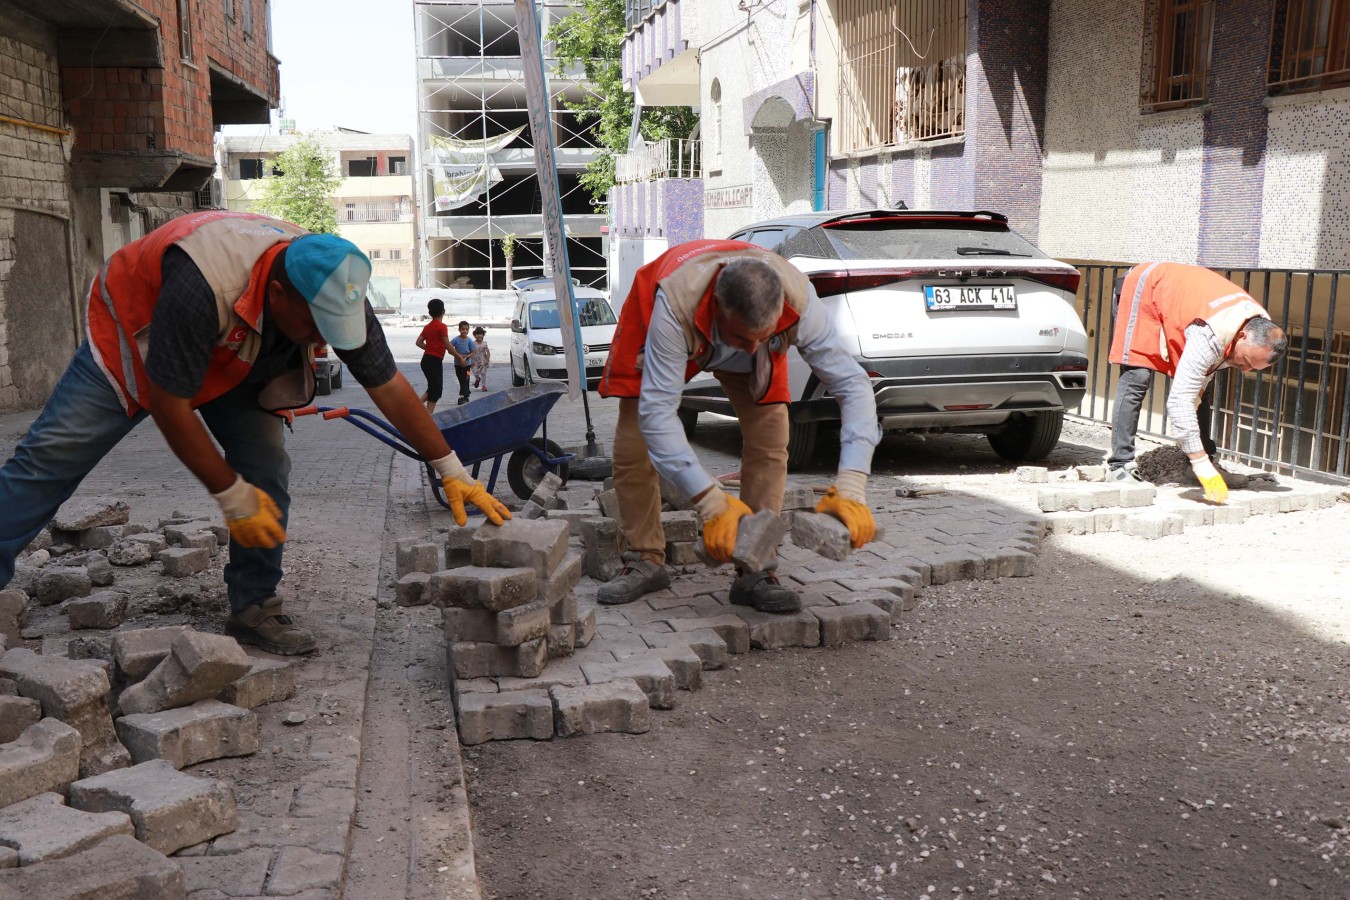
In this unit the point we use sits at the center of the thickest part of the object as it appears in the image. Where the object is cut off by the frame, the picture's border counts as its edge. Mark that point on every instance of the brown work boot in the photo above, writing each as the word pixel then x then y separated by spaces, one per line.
pixel 762 591
pixel 268 628
pixel 636 580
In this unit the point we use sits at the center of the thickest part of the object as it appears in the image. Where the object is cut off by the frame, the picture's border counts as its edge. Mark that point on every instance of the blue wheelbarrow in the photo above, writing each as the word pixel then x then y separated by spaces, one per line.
pixel 500 425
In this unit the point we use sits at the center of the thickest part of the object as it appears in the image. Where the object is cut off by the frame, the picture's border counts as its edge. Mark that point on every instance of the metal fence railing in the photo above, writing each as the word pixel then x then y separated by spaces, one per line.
pixel 668 158
pixel 1293 417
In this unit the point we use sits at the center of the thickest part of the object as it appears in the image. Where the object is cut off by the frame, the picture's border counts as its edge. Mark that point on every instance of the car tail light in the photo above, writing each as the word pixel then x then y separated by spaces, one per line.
pixel 827 284
pixel 1060 279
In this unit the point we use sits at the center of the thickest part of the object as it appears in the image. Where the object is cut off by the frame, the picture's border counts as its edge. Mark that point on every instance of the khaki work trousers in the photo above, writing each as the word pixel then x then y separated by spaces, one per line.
pixel 764 433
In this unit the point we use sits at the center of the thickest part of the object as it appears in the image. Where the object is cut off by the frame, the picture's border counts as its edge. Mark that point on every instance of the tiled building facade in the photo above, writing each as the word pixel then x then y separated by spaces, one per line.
pixel 107 115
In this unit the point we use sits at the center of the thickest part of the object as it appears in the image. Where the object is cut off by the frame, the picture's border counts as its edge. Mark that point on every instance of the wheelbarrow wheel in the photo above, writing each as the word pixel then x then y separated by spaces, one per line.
pixel 524 470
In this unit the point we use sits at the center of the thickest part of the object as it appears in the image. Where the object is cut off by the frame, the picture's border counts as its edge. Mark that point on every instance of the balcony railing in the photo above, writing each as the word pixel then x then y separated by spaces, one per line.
pixel 375 215
pixel 670 158
pixel 637 10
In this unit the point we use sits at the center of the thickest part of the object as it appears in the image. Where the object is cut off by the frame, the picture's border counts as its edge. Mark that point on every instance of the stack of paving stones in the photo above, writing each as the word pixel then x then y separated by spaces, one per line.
pixel 96 747
pixel 643 654
pixel 1147 511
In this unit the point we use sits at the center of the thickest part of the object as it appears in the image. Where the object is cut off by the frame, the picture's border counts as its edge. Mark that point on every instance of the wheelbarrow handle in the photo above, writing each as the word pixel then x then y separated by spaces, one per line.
pixel 340 413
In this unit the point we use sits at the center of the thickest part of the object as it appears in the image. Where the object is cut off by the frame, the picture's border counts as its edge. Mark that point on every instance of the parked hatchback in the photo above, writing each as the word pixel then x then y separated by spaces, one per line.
pixel 536 334
pixel 961 324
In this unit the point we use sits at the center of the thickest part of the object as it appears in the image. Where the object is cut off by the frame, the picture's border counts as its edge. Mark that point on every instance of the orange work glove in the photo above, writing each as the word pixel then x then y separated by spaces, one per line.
pixel 253 517
pixel 847 502
pixel 460 488
pixel 1216 489
pixel 721 514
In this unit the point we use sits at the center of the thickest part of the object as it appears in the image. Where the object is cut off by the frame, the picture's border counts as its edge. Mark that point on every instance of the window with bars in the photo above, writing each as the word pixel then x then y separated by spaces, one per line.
pixel 185 29
pixel 902 72
pixel 1309 45
pixel 1175 68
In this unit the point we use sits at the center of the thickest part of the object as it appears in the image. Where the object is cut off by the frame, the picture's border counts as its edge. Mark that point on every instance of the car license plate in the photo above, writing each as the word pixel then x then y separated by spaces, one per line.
pixel 956 296
pixel 594 362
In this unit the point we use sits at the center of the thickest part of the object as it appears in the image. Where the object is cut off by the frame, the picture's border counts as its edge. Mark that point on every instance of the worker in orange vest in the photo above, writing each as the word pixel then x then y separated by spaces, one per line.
pixel 216 315
pixel 733 309
pixel 1186 322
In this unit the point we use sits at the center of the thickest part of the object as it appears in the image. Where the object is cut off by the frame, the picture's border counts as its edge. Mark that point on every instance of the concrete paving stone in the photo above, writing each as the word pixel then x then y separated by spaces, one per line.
pixel 414 554
pixel 411 589
pixel 99 570
pixel 299 869
pixel 1008 563
pixel 1057 499
pixel 774 631
pixel 267 681
pixel 323 801
pixel 547 490
pixel 519 624
pixel 757 540
pixel 1262 505
pixel 188 735
pixel 537 544
pixel 477 685
pixel 1108 520
pixel 803 576
pixel 152 540
pixel 181 562
pixel 13 609
pixel 799 498
pixel 561 640
pixel 199 666
pixel 603 540
pixel 646 669
pixel 169 809
pixel 484 587
pixel 80 513
pixel 822 534
pixel 43 827
pixel 105 609
pixel 17 715
pixel 563 579
pixel 459 624
pixel 476 659
pixel 1153 525
pixel 689 586
pixel 609 504
pixel 680 526
pixel 885 601
pixel 118 868
pixel 73 691
pixel 684 553
pixel 578 498
pixel 56 584
pixel 637 614
pixel 900 587
pixel 137 652
pixel 615 706
pixel 624 640
pixel 1073 523
pixel 668 599
pixel 586 625
pixel 179 534
pixel 714 604
pixel 959 563
pixel 322 834
pixel 855 622
pixel 823 594
pixel 238 875
pixel 44 757
pixel 564 672
pixel 9 859
pixel 204 539
pixel 130 553
pixel 1137 495
pixel 1033 474
pixel 733 629
pixel 100 537
pixel 566 609
pixel 1193 515
pixel 514 715
pixel 458 542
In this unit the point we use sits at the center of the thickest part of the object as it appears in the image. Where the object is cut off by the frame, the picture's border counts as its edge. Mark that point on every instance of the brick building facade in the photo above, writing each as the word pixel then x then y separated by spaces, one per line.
pixel 108 110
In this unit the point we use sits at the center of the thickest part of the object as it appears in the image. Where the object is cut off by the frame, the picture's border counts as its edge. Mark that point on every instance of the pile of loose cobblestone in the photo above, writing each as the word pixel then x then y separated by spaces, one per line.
pixel 99 730
pixel 507 595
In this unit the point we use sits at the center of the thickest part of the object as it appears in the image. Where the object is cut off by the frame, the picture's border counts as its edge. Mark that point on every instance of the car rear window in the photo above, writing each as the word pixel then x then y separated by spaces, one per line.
pixel 910 239
pixel 590 311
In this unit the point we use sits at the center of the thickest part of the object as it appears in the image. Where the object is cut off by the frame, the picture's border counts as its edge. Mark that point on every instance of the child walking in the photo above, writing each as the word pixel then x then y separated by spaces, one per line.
pixel 461 347
pixel 433 342
pixel 482 358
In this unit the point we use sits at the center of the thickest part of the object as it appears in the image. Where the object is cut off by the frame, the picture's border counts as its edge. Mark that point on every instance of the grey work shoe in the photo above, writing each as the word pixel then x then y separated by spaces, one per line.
pixel 762 591
pixel 636 579
pixel 268 628
pixel 1123 475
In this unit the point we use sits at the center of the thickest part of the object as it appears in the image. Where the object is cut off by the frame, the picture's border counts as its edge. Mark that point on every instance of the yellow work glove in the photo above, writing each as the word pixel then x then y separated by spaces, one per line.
pixel 847 502
pixel 721 514
pixel 252 517
pixel 1216 491
pixel 460 488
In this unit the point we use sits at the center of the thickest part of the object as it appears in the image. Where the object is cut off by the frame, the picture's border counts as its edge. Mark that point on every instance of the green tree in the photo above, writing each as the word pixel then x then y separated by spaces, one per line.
pixel 592 37
pixel 303 192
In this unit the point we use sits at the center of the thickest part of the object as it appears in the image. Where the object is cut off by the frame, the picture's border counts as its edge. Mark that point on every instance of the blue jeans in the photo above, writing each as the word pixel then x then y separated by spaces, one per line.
pixel 83 420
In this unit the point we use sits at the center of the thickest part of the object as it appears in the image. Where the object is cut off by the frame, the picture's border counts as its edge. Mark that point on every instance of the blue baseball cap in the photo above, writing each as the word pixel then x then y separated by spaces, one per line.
pixel 332 275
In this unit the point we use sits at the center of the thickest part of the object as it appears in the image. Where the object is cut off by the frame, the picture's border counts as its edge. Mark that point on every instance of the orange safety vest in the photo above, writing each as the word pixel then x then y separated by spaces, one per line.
pixel 234 252
pixel 1159 301
pixel 686 274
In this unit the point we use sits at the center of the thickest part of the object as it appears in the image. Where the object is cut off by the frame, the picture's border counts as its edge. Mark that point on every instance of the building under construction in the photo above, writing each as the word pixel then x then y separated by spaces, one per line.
pixel 480 222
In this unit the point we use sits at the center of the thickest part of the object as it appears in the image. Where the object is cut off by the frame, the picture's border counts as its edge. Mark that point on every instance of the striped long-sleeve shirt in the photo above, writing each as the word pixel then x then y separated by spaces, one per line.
pixel 1199 361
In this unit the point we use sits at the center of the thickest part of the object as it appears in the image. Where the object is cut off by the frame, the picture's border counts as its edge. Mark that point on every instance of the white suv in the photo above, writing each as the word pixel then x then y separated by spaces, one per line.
pixel 962 325
pixel 536 335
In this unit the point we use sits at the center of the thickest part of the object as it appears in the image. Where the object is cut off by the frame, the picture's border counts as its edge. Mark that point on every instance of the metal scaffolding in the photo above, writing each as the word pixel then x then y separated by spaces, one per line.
pixel 475 159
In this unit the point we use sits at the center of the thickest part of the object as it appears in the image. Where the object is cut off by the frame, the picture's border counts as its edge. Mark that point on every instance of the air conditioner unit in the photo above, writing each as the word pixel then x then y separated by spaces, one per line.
pixel 209 196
